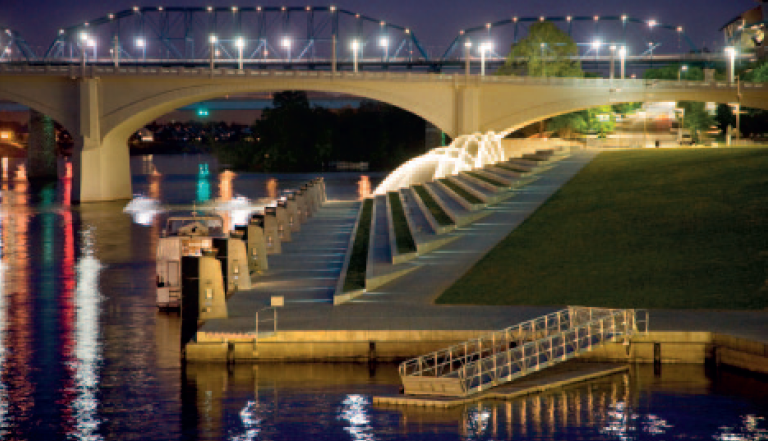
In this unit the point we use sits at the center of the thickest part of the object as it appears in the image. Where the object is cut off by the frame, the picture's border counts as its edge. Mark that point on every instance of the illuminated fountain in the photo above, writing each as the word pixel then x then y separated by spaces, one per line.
pixel 466 152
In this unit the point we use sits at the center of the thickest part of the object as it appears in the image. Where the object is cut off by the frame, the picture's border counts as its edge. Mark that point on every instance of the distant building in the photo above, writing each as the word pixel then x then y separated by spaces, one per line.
pixel 747 31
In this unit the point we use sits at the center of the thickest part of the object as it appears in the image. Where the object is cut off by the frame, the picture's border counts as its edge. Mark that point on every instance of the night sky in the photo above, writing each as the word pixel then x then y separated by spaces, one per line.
pixel 435 22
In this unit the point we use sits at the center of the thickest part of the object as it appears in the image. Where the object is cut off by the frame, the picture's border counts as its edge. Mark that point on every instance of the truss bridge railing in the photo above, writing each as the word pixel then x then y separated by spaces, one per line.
pixel 503 356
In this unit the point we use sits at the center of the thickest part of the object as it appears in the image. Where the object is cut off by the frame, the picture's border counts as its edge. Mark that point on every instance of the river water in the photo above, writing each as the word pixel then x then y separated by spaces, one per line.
pixel 85 355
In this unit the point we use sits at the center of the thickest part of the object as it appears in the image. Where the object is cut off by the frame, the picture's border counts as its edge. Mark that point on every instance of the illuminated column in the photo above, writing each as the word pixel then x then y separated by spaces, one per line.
pixel 100 164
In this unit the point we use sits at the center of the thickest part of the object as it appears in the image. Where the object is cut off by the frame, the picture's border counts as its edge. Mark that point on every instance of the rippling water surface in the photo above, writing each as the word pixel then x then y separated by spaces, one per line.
pixel 84 354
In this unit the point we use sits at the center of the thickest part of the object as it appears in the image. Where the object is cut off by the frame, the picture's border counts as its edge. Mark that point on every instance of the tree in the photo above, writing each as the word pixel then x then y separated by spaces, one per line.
pixel 697 119
pixel 544 52
pixel 670 72
pixel 725 117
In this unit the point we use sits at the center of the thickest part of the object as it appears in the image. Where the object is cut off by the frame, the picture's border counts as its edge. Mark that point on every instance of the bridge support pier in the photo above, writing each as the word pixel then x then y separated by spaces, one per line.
pixel 101 169
pixel 41 154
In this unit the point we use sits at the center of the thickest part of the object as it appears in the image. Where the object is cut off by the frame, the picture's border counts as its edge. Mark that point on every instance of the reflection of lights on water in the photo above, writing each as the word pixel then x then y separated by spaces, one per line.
pixel 623 423
pixel 272 188
pixel 143 209
pixel 354 410
pixel 364 187
pixel 225 185
pixel 250 421
pixel 87 346
pixel 477 420
pixel 21 173
pixel 748 430
pixel 203 188
pixel 465 153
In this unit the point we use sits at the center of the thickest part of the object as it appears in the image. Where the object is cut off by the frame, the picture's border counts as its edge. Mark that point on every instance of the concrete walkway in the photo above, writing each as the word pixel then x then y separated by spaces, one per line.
pixel 307 269
pixel 407 303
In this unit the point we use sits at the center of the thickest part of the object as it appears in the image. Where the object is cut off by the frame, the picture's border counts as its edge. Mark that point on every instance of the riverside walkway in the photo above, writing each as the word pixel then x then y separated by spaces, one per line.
pixel 408 303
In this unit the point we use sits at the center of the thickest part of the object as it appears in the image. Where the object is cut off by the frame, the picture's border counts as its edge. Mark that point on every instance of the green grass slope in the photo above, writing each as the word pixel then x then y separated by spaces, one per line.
pixel 645 229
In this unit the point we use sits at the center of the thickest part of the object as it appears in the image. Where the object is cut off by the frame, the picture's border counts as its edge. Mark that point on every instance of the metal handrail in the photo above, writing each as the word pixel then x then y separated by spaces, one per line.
pixel 273 319
pixel 504 355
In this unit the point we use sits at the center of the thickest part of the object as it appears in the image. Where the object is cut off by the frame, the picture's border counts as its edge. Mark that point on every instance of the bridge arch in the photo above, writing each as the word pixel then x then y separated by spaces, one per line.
pixel 123 121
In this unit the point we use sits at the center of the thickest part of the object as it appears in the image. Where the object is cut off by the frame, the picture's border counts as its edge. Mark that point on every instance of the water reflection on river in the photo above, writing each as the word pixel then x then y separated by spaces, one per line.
pixel 84 354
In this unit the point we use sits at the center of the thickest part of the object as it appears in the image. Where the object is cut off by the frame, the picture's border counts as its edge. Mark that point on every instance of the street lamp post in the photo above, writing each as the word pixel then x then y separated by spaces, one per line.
pixel 613 67
pixel 355 48
pixel 384 43
pixel 212 40
pixel 467 57
pixel 683 68
pixel 738 104
pixel 485 47
pixel 730 51
pixel 140 42
pixel 116 52
pixel 240 43
pixel 287 45
pixel 622 59
pixel 543 63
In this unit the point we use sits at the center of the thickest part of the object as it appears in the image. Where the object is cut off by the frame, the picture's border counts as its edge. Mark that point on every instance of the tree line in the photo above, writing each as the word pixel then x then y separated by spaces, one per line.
pixel 294 136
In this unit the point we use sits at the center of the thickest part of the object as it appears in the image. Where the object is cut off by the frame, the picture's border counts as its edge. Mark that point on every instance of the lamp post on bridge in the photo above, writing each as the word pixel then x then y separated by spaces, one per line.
pixel 730 51
pixel 543 63
pixel 467 57
pixel 613 55
pixel 738 103
pixel 240 43
pixel 140 42
pixel 622 59
pixel 384 44
pixel 485 47
pixel 287 45
pixel 212 40
pixel 355 48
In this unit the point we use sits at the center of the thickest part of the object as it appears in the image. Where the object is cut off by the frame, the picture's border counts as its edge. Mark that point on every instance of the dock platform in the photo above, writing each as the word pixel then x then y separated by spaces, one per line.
pixel 556 377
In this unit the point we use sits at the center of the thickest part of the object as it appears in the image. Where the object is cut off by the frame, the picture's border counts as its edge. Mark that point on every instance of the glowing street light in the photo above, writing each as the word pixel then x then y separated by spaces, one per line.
pixel 142 43
pixel 355 48
pixel 683 68
pixel 485 47
pixel 596 46
pixel 384 43
pixel 286 43
pixel 240 43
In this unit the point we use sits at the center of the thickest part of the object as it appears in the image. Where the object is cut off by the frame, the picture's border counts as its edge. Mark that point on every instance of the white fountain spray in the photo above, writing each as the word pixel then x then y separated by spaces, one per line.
pixel 467 152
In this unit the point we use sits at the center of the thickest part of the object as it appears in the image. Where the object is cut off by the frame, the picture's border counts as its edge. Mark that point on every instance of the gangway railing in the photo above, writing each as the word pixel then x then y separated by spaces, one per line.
pixel 503 356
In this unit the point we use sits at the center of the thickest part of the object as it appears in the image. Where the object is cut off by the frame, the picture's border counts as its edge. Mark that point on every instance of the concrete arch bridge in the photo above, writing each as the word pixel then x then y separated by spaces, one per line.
pixel 102 106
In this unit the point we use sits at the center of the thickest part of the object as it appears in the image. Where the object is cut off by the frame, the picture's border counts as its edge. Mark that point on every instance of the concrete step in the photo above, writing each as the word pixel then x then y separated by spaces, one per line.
pixel 397 256
pixel 460 215
pixel 470 205
pixel 468 184
pixel 438 228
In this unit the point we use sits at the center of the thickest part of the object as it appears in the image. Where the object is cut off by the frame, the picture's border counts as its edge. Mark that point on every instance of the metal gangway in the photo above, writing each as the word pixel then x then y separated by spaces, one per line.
pixel 506 355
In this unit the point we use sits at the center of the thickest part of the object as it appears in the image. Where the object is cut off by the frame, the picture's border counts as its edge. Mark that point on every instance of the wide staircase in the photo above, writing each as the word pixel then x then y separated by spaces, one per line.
pixel 503 356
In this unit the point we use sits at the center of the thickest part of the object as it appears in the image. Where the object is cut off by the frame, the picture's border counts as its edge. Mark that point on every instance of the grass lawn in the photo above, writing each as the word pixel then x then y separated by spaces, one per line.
pixel 403 238
pixel 358 261
pixel 660 228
